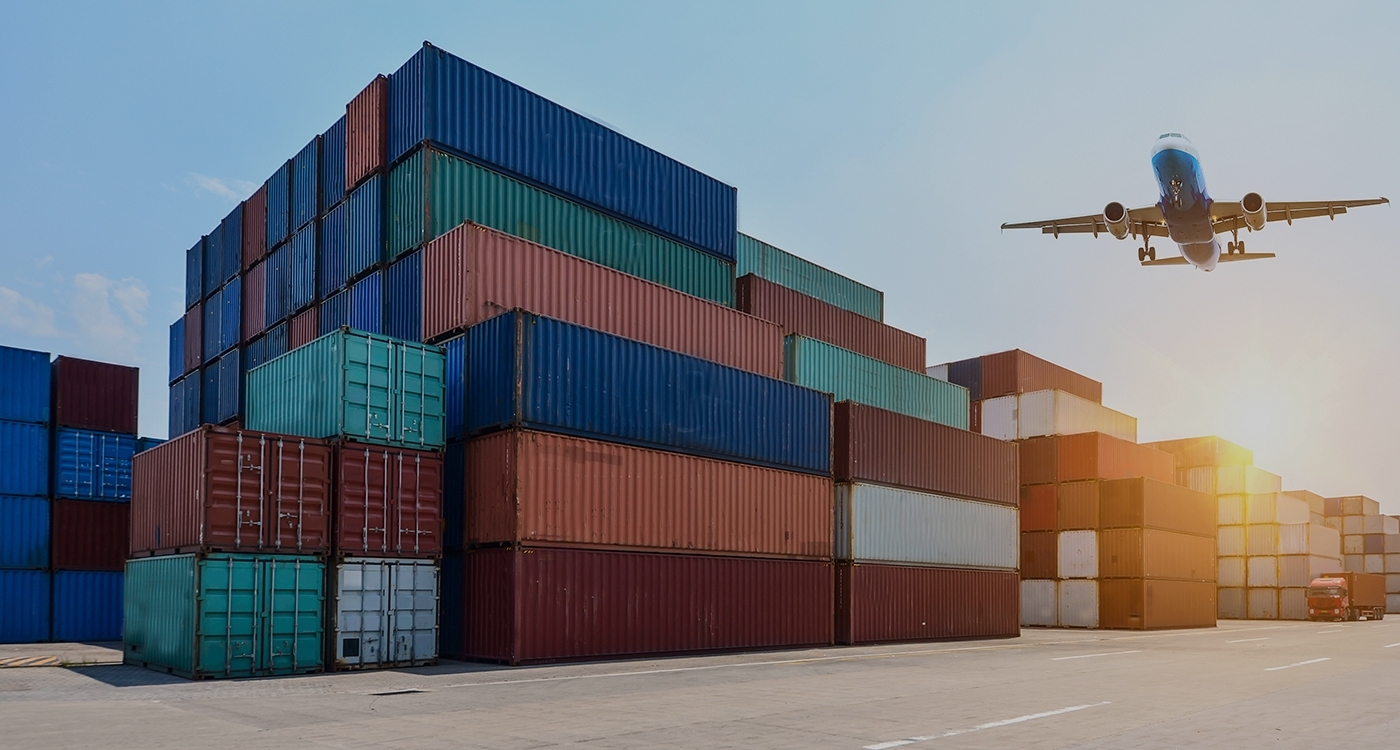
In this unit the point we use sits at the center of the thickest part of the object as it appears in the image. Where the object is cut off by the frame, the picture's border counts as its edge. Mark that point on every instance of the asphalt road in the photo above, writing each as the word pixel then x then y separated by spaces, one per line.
pixel 1241 685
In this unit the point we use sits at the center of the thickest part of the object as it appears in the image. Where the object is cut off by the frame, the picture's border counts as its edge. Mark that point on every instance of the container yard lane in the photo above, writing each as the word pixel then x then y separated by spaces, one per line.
pixel 1242 684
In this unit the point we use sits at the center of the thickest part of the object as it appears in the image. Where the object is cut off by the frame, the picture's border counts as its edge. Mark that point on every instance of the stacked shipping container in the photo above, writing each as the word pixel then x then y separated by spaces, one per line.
pixel 1370 541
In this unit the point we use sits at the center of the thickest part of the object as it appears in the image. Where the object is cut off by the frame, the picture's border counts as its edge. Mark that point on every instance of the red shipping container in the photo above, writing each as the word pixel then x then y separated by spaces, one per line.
pixel 388 501
pixel 254 313
pixel 1039 507
pixel 229 490
pixel 1040 554
pixel 811 317
pixel 304 328
pixel 255 227
pixel 366 132
pixel 88 535
pixel 1018 372
pixel 883 603
pixel 94 395
pixel 1091 455
pixel 194 337
pixel 473 273
pixel 534 487
pixel 883 447
pixel 552 604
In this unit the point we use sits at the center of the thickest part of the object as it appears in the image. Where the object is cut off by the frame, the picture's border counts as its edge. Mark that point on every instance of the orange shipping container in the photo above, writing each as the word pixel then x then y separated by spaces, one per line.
pixel 1091 455
pixel 1137 604
pixel 1153 553
pixel 1147 503
pixel 1018 372
pixel 1040 551
pixel 1206 451
pixel 1078 505
pixel 1038 508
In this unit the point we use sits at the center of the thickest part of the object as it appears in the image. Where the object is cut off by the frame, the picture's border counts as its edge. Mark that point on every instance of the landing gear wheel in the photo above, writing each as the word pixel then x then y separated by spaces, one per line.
pixel 1147 253
pixel 1152 253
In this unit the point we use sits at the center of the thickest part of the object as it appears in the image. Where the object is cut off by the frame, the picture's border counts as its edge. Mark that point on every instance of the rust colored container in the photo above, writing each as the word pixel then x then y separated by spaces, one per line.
pixel 1137 604
pixel 1153 553
pixel 254 311
pixel 94 395
pixel 974 416
pixel 1128 503
pixel 89 535
pixel 194 337
pixel 811 317
pixel 1078 506
pixel 884 603
pixel 473 273
pixel 1039 510
pixel 304 328
pixel 550 604
pixel 388 501
pixel 1040 552
pixel 228 490
pixel 882 447
pixel 1205 451
pixel 366 131
pixel 534 487
pixel 1091 455
pixel 1018 372
pixel 254 228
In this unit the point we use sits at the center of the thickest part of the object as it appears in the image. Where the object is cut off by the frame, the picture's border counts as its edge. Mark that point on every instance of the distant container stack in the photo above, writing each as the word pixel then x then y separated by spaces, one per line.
pixel 1370 541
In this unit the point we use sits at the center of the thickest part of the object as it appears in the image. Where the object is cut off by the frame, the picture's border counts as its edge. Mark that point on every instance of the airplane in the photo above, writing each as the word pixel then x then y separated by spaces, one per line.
pixel 1188 215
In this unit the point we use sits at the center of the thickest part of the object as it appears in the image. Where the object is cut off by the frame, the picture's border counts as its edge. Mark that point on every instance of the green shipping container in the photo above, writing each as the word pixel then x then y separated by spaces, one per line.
pixel 355 385
pixel 855 377
pixel 225 615
pixel 430 193
pixel 780 267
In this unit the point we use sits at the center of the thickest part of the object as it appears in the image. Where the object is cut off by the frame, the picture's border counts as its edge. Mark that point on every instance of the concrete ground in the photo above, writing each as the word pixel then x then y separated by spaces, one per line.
pixel 1241 685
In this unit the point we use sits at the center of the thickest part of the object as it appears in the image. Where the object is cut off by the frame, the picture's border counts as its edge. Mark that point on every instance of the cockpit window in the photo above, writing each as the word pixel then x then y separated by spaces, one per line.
pixel 1171 135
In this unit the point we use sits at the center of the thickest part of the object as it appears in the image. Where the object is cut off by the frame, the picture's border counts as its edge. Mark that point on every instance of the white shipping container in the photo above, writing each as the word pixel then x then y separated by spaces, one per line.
pixel 1044 413
pixel 1353 525
pixel 1229 510
pixel 883 524
pixel 937 372
pixel 1262 571
pixel 1373 564
pixel 1230 604
pixel 1392 583
pixel 1359 505
pixel 1300 570
pixel 1078 554
pixel 1198 478
pixel 1392 543
pixel 1379 525
pixel 1392 604
pixel 1263 604
pixel 1263 539
pixel 1354 563
pixel 1275 508
pixel 1079 604
pixel 1392 562
pixel 1316 518
pixel 1230 572
pixel 1248 480
pixel 1230 541
pixel 1333 522
pixel 1354 544
pixel 1293 604
pixel 1308 539
pixel 385 612
pixel 1040 603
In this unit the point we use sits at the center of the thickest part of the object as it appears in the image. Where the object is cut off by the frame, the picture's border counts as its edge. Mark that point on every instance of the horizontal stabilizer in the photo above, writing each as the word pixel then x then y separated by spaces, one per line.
pixel 1244 256
pixel 1177 261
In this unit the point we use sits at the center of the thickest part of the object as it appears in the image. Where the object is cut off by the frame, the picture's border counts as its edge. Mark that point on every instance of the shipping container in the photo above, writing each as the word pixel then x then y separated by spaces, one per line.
pixel 1316 503
pixel 1153 504
pixel 1137 604
pixel 551 604
pixel 1293 604
pixel 883 524
pixel 451 606
pixel 1358 505
pixel 184 404
pixel 194 338
pixel 1153 553
pixel 522 486
pixel 333 313
pixel 1040 603
pixel 1229 509
pixel 1076 505
pixel 441 98
pixel 209 395
pixel 431 193
pixel 254 302
pixel 90 535
pixel 366 132
pixel 387 501
pixel 1231 603
pixel 1206 451
pixel 535 372
pixel 403 298
pixel 306 172
pixel 1039 507
pixel 277 285
pixel 1248 480
pixel 194 274
pixel 1262 604
pixel 303 328
pixel 231 374
pixel 225 615
pixel 849 376
pixel 254 227
pixel 177 351
pixel 353 385
pixel 303 268
pixel 367 304
pixel 25 616
pixel 814 318
pixel 213 328
pixel 886 603
pixel 758 258
pixel 230 328
pixel 1353 525
pixel 1039 554
pixel 937 371
pixel 1309 539
pixel 333 231
pixel 454 490
pixel 1077 554
pixel 1231 572
pixel 87 606
pixel 332 178
pixel 1230 541
pixel 364 242
pixel 24 458
pixel 474 273
pixel 90 465
pixel 94 395
pixel 1012 372
pixel 1380 525
pixel 1300 570
pixel 383 613
pixel 1092 455
pixel 1043 413
pixel 968 374
pixel 213 261
pixel 231 235
pixel 24 532
pixel 267 347
pixel 24 385
pixel 1079 604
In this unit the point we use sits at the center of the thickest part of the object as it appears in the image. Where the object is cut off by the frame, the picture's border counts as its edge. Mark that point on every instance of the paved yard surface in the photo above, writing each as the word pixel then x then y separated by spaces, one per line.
pixel 1241 685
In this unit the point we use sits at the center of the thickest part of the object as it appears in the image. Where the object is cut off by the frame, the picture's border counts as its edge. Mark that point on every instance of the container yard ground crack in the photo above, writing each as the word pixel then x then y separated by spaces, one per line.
pixel 980 727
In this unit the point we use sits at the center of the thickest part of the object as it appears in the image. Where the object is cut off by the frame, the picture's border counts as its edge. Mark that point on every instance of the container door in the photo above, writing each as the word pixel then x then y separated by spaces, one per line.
pixel 369 388
pixel 227 609
pixel 361 616
pixel 415 611
pixel 234 503
pixel 417 511
pixel 420 389
pixel 296 504
pixel 365 492
pixel 291 622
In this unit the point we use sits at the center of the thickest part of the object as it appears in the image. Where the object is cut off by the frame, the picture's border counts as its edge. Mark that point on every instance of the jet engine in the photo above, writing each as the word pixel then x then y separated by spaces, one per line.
pixel 1254 210
pixel 1116 217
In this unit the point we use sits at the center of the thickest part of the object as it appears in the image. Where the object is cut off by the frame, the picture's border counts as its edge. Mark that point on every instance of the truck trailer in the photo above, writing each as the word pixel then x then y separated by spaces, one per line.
pixel 1347 596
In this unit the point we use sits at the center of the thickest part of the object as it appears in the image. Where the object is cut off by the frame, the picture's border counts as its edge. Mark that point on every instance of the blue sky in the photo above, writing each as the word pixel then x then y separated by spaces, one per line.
pixel 887 143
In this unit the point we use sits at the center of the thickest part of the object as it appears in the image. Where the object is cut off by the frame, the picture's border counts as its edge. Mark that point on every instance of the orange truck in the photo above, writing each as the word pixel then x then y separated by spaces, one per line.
pixel 1347 596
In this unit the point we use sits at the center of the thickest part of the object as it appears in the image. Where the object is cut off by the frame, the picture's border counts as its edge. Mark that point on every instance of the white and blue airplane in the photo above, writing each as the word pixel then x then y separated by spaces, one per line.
pixel 1188 215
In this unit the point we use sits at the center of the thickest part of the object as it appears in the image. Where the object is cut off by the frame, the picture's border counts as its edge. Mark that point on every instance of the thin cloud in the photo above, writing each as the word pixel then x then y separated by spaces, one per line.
pixel 110 314
pixel 234 190
pixel 25 315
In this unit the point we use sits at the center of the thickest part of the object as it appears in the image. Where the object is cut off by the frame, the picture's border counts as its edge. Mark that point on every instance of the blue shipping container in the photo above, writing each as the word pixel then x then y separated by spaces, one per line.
pixel 270 345
pixel 87 606
pixel 454 473
pixel 230 385
pixel 24 606
pixel 303 248
pixel 455 400
pixel 452 583
pixel 279 205
pixel 144 444
pixel 367 304
pixel 442 98
pixel 403 298
pixel 177 349
pixel 365 239
pixel 24 385
pixel 209 395
pixel 334 313
pixel 92 465
pixel 213 328
pixel 232 231
pixel 277 286
pixel 24 458
pixel 213 261
pixel 231 322
pixel 24 533
pixel 184 404
pixel 305 174
pixel 194 274
pixel 331 277
pixel 333 165
pixel 530 371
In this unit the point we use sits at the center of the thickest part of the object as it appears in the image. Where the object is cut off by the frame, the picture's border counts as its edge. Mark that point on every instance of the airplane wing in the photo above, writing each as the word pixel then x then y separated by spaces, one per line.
pixel 1227 216
pixel 1141 221
pixel 1229 258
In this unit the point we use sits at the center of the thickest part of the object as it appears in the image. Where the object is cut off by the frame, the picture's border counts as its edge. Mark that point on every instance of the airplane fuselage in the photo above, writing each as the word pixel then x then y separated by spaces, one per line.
pixel 1184 201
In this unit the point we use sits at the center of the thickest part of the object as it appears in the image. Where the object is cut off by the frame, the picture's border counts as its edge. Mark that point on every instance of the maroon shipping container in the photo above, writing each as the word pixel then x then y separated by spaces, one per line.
pixel 255 227
pixel 534 487
pixel 1018 372
pixel 88 535
pixel 229 490
pixel 1091 455
pixel 473 273
pixel 882 447
pixel 366 132
pixel 1040 552
pixel 194 337
pixel 883 603
pixel 254 313
pixel 303 328
pixel 811 317
pixel 388 501
pixel 94 395
pixel 539 604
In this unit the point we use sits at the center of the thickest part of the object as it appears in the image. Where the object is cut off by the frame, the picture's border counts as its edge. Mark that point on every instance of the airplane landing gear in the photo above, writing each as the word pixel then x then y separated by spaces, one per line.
pixel 1231 248
pixel 1147 252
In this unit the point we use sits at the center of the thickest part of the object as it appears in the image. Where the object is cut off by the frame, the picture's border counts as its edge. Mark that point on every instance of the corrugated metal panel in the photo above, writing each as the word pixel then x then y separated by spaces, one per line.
pixel 87 606
pixel 277 290
pixel 1077 505
pixel 1374 544
pixel 1231 480
pixel 403 298
pixel 1275 508
pixel 625 391
pixel 936 371
pixel 1205 451
pixel 1152 553
pixel 1262 539
pixel 94 395
pixel 1262 603
pixel 1039 508
pixel 432 193
pixel 1229 509
pixel 213 261
pixel 91 465
pixel 354 385
pixel 230 321
pixel 438 97
pixel 854 377
pixel 808 316
pixel 1358 505
pixel 90 535
pixel 1380 525
pixel 968 374
pixel 306 172
pixel 1040 603
pixel 24 618
pixel 1016 371
pixel 333 233
pixel 1293 603
pixel 456 400
pixel 1079 604
pixel 367 303
pixel 785 269
pixel 1078 554
pixel 24 458
pixel 1230 603
pixel 1300 570
pixel 388 501
pixel 177 351
pixel 231 374
pixel 303 329
pixel 255 227
pixel 1156 505
pixel 1230 541
pixel 1311 539
pixel 332 182
pixel 254 297
pixel 303 267
pixel 1039 554
pixel 1043 413
pixel 194 274
pixel 542 604
pixel 882 603
pixel 366 118
pixel 533 487
pixel 1092 455
pixel 218 488
pixel 24 532
pixel 333 313
pixel 194 338
pixel 365 239
pixel 24 385
pixel 231 235
pixel 883 524
pixel 452 592
pixel 1230 571
pixel 213 327
pixel 1152 605
pixel 279 205
pixel 454 490
pixel 209 395
pixel 184 404
pixel 1352 524
pixel 384 614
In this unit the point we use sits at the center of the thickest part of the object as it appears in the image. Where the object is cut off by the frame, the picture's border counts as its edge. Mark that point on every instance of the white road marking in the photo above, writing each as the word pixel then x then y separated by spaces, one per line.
pixel 1090 656
pixel 980 727
pixel 1298 664
pixel 1247 640
pixel 1393 645
pixel 1337 630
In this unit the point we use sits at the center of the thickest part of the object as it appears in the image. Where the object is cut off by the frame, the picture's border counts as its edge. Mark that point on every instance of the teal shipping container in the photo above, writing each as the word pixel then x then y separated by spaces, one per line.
pixel 225 615
pixel 353 385
pixel 781 267
pixel 855 377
